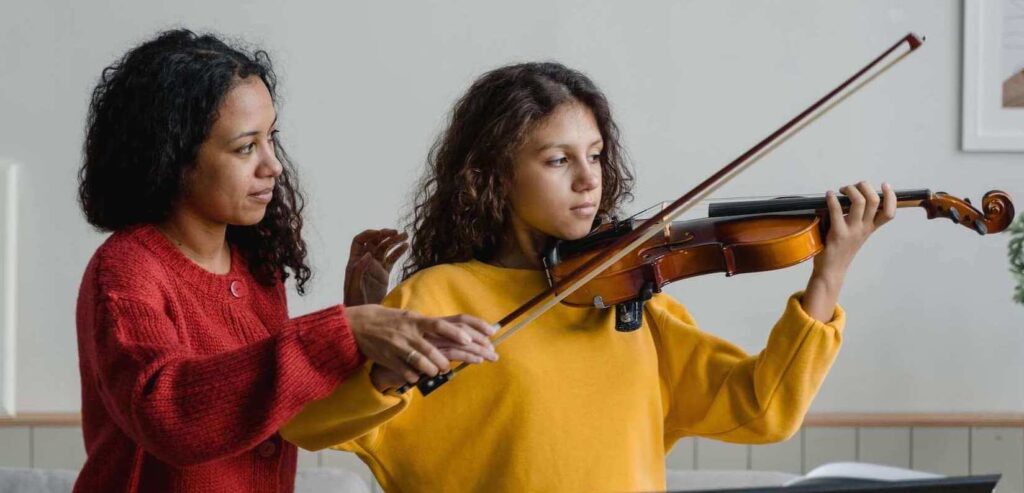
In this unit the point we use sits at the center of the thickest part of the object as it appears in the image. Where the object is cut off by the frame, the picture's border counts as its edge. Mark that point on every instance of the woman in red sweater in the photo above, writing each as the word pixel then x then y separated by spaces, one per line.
pixel 188 358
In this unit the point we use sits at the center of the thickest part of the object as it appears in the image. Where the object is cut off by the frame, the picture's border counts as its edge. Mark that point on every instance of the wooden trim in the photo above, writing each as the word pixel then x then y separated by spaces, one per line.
pixel 41 419
pixel 813 420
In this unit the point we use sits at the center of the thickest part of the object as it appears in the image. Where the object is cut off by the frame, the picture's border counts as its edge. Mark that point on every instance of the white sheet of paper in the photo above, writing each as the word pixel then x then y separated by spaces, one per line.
pixel 863 470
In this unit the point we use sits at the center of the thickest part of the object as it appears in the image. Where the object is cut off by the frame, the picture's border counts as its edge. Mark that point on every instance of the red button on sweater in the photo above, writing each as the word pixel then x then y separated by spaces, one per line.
pixel 187 375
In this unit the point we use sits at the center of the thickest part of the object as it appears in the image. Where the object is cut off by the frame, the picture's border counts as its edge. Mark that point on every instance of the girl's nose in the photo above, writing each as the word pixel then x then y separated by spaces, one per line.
pixel 588 177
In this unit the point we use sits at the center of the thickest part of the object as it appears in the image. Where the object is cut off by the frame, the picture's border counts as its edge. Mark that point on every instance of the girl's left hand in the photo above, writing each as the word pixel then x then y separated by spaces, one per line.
pixel 373 255
pixel 847 233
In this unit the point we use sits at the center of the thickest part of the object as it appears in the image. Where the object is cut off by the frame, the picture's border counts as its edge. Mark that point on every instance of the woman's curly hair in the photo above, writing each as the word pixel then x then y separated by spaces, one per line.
pixel 148 116
pixel 461 209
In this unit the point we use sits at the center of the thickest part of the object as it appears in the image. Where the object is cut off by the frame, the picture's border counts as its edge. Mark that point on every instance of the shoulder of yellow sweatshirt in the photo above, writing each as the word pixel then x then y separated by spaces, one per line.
pixel 572 405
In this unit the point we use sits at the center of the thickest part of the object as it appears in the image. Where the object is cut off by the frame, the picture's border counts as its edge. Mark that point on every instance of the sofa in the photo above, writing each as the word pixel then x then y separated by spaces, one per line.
pixel 332 480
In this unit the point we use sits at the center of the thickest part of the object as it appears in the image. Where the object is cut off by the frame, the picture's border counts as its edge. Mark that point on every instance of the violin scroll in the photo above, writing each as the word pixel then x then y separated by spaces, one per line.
pixel 995 215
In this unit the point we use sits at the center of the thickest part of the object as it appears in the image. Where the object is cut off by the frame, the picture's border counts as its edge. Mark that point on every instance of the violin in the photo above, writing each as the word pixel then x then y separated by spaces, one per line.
pixel 737 237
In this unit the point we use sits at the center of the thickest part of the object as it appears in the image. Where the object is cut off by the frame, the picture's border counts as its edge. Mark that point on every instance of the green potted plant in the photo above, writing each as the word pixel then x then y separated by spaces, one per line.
pixel 1016 253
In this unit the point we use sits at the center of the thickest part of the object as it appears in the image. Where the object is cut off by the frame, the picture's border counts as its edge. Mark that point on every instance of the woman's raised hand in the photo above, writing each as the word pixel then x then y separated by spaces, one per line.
pixel 371 258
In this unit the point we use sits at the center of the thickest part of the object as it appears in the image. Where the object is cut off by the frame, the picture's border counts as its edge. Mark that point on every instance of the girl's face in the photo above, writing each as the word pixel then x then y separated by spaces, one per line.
pixel 557 177
pixel 233 180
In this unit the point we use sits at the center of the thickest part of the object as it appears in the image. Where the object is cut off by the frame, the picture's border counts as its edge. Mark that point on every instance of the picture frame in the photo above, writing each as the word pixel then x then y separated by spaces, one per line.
pixel 993 76
pixel 8 280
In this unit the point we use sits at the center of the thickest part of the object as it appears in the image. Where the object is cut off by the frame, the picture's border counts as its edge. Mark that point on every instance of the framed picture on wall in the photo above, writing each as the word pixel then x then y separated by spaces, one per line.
pixel 993 75
pixel 8 275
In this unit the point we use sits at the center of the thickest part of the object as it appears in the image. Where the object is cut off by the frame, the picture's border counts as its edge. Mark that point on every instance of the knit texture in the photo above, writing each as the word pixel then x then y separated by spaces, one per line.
pixel 187 375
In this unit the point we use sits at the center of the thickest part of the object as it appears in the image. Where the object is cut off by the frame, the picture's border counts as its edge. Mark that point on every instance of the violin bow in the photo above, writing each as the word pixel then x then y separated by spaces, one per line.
pixel 544 301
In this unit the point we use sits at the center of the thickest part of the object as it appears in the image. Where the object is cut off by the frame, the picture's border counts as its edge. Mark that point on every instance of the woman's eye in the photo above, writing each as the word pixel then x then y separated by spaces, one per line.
pixel 273 137
pixel 595 158
pixel 558 161
pixel 247 149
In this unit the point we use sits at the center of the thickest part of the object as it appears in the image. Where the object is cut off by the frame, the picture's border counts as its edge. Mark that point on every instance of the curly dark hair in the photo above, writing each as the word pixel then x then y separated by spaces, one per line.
pixel 460 211
pixel 148 116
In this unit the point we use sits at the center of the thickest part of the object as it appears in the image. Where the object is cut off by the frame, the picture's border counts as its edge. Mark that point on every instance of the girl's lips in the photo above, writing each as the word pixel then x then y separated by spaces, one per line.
pixel 584 210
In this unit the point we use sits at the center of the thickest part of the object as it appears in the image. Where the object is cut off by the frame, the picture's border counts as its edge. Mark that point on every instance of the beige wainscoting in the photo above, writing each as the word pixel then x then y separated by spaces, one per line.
pixel 951 444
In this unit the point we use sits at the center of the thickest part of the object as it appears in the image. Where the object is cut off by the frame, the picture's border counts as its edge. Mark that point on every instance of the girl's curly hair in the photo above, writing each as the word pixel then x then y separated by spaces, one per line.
pixel 148 116
pixel 460 211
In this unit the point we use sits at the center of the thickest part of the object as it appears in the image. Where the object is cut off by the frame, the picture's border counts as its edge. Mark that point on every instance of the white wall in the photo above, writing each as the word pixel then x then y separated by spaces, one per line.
pixel 693 83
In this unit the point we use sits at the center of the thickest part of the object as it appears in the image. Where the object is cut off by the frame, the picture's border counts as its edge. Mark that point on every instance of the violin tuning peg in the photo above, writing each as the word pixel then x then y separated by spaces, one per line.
pixel 980 227
pixel 968 200
pixel 954 215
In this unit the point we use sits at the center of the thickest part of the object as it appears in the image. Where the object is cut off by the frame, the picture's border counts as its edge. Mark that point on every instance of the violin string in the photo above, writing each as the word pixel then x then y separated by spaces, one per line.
pixel 634 216
pixel 738 198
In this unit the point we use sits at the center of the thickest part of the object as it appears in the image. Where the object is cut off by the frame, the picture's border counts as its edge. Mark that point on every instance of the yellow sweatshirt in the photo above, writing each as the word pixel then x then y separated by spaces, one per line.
pixel 572 405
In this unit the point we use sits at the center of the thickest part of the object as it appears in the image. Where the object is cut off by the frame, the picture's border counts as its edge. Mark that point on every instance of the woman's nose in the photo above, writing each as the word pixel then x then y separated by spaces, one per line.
pixel 270 165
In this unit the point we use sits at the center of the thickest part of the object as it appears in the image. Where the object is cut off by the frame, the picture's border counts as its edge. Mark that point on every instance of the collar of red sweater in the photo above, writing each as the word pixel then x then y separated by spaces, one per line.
pixel 169 254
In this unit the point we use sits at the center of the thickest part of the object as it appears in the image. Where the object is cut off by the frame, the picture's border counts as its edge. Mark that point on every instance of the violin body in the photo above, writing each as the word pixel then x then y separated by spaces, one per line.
pixel 688 249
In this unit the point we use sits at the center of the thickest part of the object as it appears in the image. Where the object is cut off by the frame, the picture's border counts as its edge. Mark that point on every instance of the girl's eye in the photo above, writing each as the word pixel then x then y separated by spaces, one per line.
pixel 558 161
pixel 273 137
pixel 595 158
pixel 247 149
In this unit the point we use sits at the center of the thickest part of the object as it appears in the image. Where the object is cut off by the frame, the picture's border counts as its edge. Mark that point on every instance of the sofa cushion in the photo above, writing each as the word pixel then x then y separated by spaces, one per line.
pixel 328 480
pixel 19 480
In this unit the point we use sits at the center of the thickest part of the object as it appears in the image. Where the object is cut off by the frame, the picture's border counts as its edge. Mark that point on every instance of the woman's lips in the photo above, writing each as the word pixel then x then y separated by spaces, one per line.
pixel 263 195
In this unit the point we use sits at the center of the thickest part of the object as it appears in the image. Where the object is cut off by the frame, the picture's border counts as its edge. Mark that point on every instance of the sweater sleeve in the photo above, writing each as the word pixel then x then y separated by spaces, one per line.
pixel 356 414
pixel 352 416
pixel 188 408
pixel 712 388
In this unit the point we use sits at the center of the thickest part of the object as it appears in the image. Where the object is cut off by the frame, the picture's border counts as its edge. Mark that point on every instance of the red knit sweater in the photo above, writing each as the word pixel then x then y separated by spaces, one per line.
pixel 187 375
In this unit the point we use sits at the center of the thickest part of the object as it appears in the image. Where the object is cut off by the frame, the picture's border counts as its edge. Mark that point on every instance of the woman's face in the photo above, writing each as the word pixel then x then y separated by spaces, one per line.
pixel 233 180
pixel 557 184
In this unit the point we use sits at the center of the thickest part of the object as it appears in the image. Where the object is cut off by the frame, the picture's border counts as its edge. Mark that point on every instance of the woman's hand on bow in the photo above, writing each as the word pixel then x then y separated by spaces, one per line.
pixel 407 344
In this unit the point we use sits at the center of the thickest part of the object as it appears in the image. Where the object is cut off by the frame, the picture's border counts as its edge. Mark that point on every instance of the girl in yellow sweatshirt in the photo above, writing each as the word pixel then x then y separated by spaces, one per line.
pixel 531 155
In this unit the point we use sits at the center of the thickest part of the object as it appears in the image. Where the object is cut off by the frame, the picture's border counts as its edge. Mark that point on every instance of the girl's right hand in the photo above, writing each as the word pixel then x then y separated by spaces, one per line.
pixel 410 344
